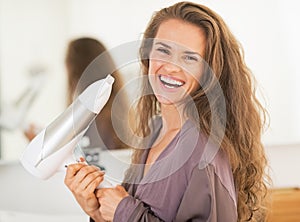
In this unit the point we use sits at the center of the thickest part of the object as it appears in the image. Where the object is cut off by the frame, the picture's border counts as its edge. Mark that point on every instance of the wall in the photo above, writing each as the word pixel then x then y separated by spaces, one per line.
pixel 284 165
pixel 33 34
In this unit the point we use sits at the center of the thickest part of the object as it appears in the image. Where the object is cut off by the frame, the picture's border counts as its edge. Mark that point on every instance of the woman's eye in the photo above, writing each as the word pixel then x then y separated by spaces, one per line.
pixel 190 58
pixel 164 51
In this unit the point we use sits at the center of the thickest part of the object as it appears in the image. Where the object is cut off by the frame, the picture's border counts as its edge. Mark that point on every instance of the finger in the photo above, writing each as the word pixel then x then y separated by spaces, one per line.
pixel 104 192
pixel 84 173
pixel 73 169
pixel 100 192
pixel 82 160
pixel 92 187
pixel 87 187
pixel 120 188
pixel 74 177
pixel 92 180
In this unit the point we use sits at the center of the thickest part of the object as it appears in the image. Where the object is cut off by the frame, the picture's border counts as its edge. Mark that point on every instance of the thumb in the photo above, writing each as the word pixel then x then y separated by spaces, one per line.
pixel 119 187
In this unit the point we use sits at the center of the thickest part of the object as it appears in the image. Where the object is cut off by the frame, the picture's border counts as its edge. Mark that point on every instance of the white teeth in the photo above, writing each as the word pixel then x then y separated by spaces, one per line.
pixel 171 82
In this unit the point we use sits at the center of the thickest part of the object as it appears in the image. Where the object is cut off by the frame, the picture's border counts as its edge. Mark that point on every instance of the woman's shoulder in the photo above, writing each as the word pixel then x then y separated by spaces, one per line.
pixel 215 164
pixel 207 195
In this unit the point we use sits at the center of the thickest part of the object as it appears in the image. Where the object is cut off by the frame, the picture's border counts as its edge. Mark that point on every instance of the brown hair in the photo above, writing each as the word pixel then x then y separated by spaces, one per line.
pixel 81 54
pixel 245 116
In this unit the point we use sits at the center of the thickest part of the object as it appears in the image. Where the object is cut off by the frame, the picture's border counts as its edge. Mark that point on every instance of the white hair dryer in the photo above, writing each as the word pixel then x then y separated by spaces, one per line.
pixel 53 147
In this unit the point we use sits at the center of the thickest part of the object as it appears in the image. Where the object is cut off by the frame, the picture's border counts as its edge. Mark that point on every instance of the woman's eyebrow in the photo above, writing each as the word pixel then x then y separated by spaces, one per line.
pixel 192 53
pixel 163 44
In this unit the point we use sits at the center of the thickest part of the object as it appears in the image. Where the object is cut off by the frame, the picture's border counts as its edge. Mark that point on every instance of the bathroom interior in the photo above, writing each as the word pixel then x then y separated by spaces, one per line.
pixel 33 38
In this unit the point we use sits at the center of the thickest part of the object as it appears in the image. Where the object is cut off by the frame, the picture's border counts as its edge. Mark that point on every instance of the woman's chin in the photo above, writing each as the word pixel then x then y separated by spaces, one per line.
pixel 165 100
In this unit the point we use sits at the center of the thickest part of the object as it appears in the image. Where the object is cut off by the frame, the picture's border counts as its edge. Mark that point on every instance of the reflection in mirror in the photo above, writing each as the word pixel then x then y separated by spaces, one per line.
pixel 34 36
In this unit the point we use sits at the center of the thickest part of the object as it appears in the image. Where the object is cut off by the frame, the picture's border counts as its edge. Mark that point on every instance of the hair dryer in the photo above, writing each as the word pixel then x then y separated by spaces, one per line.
pixel 53 147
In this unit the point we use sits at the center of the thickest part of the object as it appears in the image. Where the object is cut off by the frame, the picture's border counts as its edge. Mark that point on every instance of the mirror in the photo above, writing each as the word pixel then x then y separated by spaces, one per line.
pixel 34 35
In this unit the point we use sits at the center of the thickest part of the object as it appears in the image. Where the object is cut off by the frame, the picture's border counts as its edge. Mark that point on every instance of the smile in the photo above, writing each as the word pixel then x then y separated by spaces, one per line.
pixel 170 82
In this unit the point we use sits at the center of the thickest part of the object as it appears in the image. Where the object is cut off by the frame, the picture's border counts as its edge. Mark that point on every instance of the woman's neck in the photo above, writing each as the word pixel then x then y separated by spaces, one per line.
pixel 172 117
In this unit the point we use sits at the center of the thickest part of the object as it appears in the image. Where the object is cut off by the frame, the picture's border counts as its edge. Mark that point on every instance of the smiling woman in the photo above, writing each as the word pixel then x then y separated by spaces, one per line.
pixel 200 121
pixel 271 44
pixel 177 48
pixel 270 52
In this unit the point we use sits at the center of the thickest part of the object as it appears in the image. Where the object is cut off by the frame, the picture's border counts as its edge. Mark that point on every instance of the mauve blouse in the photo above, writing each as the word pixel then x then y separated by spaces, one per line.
pixel 191 180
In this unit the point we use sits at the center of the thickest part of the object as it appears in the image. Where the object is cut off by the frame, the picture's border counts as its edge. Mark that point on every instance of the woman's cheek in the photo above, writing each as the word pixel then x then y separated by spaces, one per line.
pixel 154 66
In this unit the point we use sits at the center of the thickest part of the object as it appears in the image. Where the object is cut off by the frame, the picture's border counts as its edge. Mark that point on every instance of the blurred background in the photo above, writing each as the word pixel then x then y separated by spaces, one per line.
pixel 34 35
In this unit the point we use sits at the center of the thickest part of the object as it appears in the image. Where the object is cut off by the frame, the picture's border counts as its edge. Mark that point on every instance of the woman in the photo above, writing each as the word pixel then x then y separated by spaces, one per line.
pixel 203 159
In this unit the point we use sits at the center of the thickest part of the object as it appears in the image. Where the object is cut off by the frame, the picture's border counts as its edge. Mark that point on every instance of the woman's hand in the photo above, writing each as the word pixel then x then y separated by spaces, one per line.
pixel 82 180
pixel 109 198
pixel 31 131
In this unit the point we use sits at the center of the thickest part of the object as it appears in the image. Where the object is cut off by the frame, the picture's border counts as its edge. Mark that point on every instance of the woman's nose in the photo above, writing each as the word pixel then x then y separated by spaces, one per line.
pixel 170 67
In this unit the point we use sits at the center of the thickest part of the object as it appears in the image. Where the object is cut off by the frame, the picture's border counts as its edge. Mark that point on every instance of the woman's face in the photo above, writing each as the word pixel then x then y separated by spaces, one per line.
pixel 176 62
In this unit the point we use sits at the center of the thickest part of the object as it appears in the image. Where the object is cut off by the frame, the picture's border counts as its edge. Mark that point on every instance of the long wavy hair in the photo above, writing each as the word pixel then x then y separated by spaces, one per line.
pixel 245 116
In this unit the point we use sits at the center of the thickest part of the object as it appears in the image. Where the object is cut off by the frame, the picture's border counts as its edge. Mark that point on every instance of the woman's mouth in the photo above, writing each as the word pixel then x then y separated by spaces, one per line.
pixel 170 82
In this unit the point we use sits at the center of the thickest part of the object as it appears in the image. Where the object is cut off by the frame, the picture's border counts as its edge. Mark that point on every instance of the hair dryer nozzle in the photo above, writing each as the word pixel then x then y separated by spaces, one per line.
pixel 53 147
